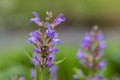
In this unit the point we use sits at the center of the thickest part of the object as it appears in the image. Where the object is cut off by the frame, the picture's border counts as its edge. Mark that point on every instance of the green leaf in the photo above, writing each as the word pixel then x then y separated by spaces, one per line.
pixel 58 62
pixel 29 56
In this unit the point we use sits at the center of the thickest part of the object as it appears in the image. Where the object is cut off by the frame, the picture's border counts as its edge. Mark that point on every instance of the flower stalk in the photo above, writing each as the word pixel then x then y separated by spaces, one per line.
pixel 90 55
pixel 44 39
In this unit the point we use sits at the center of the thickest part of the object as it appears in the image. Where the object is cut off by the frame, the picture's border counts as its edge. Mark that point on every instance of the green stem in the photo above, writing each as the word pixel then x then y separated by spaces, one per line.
pixel 37 73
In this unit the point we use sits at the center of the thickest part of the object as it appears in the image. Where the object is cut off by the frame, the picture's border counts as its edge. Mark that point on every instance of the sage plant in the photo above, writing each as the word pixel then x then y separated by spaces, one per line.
pixel 90 55
pixel 44 39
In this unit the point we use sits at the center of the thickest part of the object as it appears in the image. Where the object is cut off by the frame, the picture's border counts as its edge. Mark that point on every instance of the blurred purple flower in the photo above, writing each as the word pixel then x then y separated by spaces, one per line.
pixel 57 41
pixel 100 36
pixel 81 54
pixel 36 59
pixel 75 76
pixel 86 41
pixel 22 78
pixel 50 32
pixel 102 45
pixel 36 50
pixel 53 72
pixel 33 73
pixel 34 37
pixel 60 18
pixel 97 77
pixel 101 64
pixel 37 19
pixel 91 53
pixel 54 50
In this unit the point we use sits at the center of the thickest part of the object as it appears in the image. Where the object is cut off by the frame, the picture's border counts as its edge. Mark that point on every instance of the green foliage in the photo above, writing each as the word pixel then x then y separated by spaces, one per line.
pixel 16 62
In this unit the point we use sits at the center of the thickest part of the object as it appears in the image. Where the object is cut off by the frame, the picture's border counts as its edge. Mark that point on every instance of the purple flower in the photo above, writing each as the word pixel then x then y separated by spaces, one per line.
pixel 102 45
pixel 37 19
pixel 22 78
pixel 60 18
pixel 100 36
pixel 33 73
pixel 53 70
pixel 49 63
pixel 86 41
pixel 101 64
pixel 50 32
pixel 36 50
pixel 34 37
pixel 35 34
pixel 57 41
pixel 51 56
pixel 54 50
pixel 97 77
pixel 75 76
pixel 36 59
pixel 81 54
pixel 49 60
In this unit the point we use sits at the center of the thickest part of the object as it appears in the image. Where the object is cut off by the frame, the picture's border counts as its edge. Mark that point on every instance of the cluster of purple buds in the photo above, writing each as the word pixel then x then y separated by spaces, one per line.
pixel 90 54
pixel 45 39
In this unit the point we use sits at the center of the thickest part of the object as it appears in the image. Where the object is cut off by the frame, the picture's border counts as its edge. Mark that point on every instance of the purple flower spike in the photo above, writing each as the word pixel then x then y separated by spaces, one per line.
pixel 91 53
pixel 60 18
pixel 37 19
pixel 45 39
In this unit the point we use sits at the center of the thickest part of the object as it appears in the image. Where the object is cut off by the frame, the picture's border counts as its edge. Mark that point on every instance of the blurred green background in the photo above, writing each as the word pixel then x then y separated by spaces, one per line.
pixel 80 15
